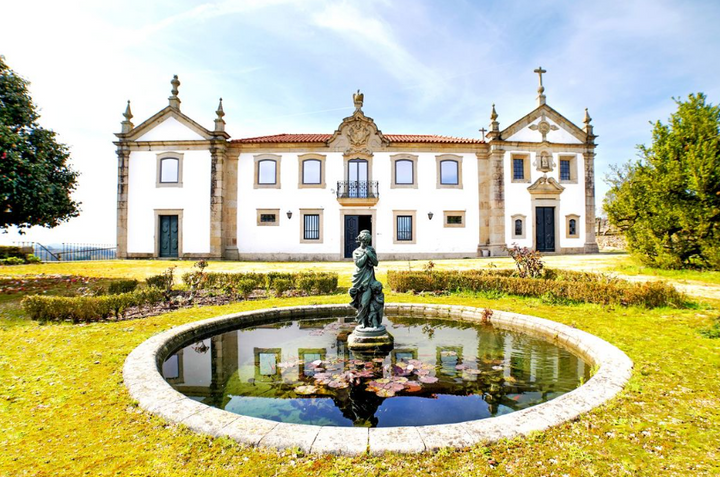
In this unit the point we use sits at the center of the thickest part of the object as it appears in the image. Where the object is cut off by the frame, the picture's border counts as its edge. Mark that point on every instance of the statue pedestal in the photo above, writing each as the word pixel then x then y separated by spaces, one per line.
pixel 368 339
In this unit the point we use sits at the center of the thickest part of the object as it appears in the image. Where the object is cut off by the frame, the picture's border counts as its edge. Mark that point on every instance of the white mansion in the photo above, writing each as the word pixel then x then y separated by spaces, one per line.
pixel 190 192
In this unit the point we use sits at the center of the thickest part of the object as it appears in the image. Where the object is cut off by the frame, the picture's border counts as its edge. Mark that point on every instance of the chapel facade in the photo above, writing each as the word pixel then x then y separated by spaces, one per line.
pixel 189 192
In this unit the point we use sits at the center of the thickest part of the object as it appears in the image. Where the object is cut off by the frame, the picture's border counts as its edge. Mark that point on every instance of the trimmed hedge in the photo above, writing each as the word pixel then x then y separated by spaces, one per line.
pixel 122 286
pixel 12 255
pixel 320 283
pixel 83 309
pixel 555 285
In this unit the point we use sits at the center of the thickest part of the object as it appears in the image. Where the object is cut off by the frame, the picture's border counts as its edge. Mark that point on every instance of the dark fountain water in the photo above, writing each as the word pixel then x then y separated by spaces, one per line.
pixel 437 372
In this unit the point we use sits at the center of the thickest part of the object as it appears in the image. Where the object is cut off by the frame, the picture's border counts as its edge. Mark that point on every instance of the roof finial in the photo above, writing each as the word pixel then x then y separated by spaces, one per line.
pixel 219 121
pixel 541 88
pixel 173 99
pixel 358 100
pixel 128 113
pixel 494 125
pixel 588 126
pixel 127 125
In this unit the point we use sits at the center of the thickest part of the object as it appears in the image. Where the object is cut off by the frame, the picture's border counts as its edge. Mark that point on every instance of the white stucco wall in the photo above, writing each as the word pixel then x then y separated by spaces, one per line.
pixel 193 198
pixel 170 130
pixel 431 236
pixel 518 201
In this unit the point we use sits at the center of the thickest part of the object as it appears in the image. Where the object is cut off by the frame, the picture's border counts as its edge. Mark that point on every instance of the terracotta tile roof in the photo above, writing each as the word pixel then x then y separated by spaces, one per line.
pixel 431 138
pixel 284 138
pixel 406 138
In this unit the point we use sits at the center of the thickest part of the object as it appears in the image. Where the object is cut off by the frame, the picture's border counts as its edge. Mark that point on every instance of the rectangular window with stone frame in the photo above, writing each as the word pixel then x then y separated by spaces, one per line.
pixel 565 170
pixel 404 228
pixel 311 227
pixel 518 169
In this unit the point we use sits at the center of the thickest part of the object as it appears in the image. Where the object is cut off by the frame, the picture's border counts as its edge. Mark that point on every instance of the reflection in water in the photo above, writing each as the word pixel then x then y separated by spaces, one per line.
pixel 302 372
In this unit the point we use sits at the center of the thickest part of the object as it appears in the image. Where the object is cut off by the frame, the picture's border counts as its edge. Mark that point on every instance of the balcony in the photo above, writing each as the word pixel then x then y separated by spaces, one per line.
pixel 357 193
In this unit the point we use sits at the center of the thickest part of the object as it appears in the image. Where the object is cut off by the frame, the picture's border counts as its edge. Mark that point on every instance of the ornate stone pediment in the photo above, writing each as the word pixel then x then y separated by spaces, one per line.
pixel 546 185
pixel 544 125
pixel 358 133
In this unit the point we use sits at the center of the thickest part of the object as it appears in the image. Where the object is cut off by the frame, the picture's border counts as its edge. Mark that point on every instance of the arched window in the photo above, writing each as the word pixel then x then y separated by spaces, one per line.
pixel 169 170
pixel 572 226
pixel 311 171
pixel 404 171
pixel 267 172
pixel 449 172
pixel 518 227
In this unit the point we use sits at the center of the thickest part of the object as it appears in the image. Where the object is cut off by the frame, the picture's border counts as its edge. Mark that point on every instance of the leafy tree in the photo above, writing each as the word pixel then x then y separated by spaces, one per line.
pixel 35 180
pixel 667 202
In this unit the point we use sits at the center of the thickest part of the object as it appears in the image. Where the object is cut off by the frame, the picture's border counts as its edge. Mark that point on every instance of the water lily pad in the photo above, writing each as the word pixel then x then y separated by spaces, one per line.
pixel 337 384
pixel 400 380
pixel 412 387
pixel 397 387
pixel 382 380
pixel 460 367
pixel 306 389
pixel 385 392
pixel 428 379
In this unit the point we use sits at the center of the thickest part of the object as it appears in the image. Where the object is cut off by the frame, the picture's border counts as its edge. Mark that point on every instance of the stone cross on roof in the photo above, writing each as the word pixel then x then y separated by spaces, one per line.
pixel 541 88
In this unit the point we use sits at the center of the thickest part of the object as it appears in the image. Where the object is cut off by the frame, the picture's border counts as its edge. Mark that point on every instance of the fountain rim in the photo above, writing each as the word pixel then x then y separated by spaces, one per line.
pixel 145 384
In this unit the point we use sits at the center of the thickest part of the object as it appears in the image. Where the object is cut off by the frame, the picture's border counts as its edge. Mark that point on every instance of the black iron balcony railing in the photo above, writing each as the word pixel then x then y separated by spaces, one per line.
pixel 357 190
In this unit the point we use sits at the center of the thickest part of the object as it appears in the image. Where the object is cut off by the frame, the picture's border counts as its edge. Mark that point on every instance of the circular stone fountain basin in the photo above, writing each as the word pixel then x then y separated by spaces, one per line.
pixel 448 398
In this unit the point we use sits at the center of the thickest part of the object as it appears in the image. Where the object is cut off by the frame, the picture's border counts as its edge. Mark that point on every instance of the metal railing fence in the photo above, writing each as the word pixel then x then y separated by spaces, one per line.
pixel 71 252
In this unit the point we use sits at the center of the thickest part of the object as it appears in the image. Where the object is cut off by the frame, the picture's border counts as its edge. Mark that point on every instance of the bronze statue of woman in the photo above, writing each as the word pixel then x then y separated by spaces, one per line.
pixel 364 285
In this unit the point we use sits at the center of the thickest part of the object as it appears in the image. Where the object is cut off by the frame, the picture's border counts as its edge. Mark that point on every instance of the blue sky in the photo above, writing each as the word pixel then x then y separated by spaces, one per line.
pixel 291 66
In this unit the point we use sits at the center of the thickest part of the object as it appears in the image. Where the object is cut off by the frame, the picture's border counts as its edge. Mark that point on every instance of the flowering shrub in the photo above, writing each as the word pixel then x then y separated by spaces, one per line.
pixel 528 262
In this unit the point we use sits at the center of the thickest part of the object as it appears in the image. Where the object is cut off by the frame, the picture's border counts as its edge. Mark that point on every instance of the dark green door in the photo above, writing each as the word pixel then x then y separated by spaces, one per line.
pixel 545 229
pixel 352 229
pixel 168 235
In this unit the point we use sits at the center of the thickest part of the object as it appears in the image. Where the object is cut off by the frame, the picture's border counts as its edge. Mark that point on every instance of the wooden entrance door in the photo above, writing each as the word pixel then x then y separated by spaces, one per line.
pixel 545 229
pixel 168 236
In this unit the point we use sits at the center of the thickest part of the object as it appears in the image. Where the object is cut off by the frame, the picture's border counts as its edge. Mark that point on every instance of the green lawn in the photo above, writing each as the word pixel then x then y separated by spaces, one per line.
pixel 64 409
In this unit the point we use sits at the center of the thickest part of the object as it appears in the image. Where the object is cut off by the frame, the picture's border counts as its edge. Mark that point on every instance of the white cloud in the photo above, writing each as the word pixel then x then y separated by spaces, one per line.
pixel 375 38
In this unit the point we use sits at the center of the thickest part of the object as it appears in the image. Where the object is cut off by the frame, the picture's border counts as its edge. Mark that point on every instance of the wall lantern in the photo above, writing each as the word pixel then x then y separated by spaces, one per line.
pixel 289 214
pixel 430 215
